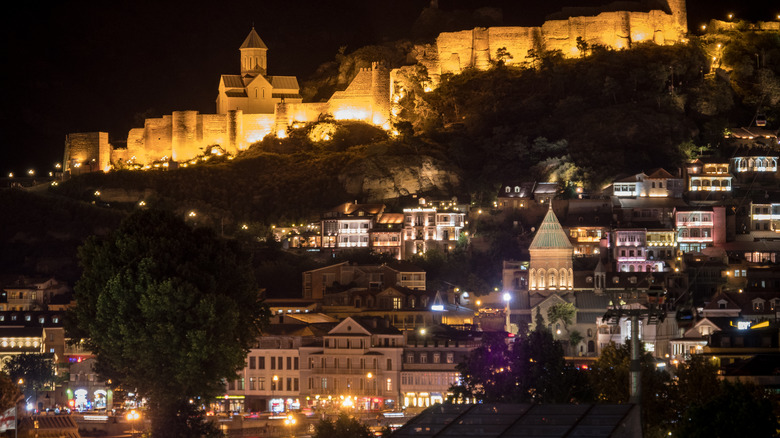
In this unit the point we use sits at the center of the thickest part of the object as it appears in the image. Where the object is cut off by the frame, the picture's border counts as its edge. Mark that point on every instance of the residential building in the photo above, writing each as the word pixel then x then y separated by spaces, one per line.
pixel 658 183
pixel 347 226
pixel 429 227
pixel 700 227
pixel 357 365
pixel 430 357
pixel 708 175
pixel 342 276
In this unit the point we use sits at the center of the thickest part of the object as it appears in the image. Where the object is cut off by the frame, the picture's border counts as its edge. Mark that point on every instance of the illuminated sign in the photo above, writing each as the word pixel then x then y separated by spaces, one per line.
pixel 437 308
pixel 743 325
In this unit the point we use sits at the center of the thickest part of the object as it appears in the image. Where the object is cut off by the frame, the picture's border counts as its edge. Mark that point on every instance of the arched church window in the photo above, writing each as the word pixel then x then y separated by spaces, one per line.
pixel 255 93
pixel 263 93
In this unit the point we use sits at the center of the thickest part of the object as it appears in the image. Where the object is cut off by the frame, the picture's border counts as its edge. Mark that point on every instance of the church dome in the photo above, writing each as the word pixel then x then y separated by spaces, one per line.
pixel 551 234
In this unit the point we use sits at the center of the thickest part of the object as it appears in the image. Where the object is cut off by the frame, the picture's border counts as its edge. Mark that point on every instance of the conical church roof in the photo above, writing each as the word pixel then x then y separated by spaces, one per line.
pixel 253 41
pixel 551 234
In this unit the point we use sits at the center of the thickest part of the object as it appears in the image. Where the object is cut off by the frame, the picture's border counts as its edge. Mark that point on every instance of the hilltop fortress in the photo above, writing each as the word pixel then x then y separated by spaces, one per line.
pixel 253 104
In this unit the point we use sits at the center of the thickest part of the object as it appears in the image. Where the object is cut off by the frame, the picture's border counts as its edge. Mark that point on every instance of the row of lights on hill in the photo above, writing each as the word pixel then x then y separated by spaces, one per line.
pixel 31 172
pixel 730 17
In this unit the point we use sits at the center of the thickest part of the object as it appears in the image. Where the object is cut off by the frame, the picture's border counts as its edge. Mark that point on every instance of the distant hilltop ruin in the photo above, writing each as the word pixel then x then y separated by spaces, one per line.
pixel 254 104
pixel 617 25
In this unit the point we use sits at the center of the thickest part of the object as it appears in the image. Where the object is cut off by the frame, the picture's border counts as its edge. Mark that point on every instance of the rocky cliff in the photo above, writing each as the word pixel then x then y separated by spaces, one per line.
pixel 381 178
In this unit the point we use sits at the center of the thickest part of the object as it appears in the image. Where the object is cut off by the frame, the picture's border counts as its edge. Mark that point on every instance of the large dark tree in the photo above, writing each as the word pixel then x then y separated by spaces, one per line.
pixel 532 369
pixel 609 378
pixel 34 370
pixel 167 310
pixel 344 427
pixel 9 392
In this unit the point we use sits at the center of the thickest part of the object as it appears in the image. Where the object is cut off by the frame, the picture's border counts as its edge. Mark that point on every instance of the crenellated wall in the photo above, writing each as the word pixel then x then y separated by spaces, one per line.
pixel 184 135
pixel 477 48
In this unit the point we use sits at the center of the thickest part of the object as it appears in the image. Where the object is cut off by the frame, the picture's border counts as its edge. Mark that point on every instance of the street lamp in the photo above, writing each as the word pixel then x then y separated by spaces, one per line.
pixel 273 389
pixel 507 298
pixel 131 417
pixel 371 390
pixel 290 422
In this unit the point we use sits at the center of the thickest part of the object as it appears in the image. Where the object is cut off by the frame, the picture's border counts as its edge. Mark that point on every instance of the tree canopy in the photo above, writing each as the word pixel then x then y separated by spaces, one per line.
pixel 530 369
pixel 168 311
pixel 344 427
pixel 36 370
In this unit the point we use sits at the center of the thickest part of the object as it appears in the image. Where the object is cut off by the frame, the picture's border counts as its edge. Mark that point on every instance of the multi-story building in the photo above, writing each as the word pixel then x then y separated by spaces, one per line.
pixel 765 220
pixel 630 251
pixel 662 247
pixel 429 360
pixel 270 380
pixel 357 365
pixel 708 176
pixel 700 227
pixel 347 226
pixel 386 237
pixel 23 293
pixel 428 227
pixel 342 276
pixel 657 183
pixel 754 164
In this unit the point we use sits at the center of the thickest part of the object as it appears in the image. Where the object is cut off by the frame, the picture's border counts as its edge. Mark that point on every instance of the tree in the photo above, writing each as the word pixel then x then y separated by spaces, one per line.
pixel 609 379
pixel 344 427
pixel 9 392
pixel 563 312
pixel 738 409
pixel 167 310
pixel 530 370
pixel 35 369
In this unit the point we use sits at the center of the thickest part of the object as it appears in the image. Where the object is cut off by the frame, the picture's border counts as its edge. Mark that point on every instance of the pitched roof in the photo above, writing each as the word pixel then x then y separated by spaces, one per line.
pixel 253 41
pixel 659 173
pixel 551 234
pixel 284 82
pixel 232 81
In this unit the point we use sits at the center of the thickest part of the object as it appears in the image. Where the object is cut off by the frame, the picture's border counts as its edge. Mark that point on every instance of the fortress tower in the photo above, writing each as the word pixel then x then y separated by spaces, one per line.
pixel 253 56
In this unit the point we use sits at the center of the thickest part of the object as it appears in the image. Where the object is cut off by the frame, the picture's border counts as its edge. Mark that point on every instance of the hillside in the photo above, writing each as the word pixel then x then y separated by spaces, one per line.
pixel 575 121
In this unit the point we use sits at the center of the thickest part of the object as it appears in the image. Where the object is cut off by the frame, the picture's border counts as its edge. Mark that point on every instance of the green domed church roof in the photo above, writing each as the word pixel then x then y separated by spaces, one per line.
pixel 551 234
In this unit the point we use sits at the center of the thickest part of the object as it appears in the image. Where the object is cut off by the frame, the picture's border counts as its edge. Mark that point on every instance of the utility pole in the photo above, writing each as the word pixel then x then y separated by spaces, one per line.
pixel 636 305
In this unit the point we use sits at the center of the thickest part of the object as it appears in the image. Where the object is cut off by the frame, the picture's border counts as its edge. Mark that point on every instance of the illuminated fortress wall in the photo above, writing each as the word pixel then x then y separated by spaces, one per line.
pixel 476 48
pixel 184 135
pixel 86 152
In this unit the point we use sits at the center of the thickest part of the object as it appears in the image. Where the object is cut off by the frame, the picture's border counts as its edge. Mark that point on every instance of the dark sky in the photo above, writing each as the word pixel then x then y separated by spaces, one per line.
pixel 79 66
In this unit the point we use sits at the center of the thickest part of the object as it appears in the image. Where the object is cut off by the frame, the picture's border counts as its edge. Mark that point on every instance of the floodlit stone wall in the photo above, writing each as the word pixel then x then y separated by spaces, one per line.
pixel 478 47
pixel 86 152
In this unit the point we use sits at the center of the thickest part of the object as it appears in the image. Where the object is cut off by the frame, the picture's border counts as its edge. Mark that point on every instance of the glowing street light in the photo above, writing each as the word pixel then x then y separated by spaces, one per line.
pixel 507 298
pixel 273 388
pixel 290 422
pixel 132 416
pixel 31 172
pixel 730 15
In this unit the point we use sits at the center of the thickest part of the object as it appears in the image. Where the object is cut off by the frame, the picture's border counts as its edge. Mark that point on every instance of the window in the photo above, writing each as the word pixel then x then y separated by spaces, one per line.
pixel 295 363
pixel 251 383
pixel 397 303
pixel 273 363
pixel 410 358
pixel 389 364
pixel 289 363
pixel 450 357
pixel 423 357
pixel 436 357
pixel 280 362
pixel 252 364
pixel 324 383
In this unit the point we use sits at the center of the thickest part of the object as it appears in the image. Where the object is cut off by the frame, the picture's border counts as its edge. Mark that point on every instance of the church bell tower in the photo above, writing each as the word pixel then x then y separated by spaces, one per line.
pixel 253 55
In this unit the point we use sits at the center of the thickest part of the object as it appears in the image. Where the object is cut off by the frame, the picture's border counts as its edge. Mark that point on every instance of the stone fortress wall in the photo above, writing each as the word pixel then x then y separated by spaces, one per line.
pixel 183 135
pixel 477 48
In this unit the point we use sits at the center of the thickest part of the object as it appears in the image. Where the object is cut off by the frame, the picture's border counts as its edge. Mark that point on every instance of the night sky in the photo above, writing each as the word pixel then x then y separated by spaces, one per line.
pixel 80 66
